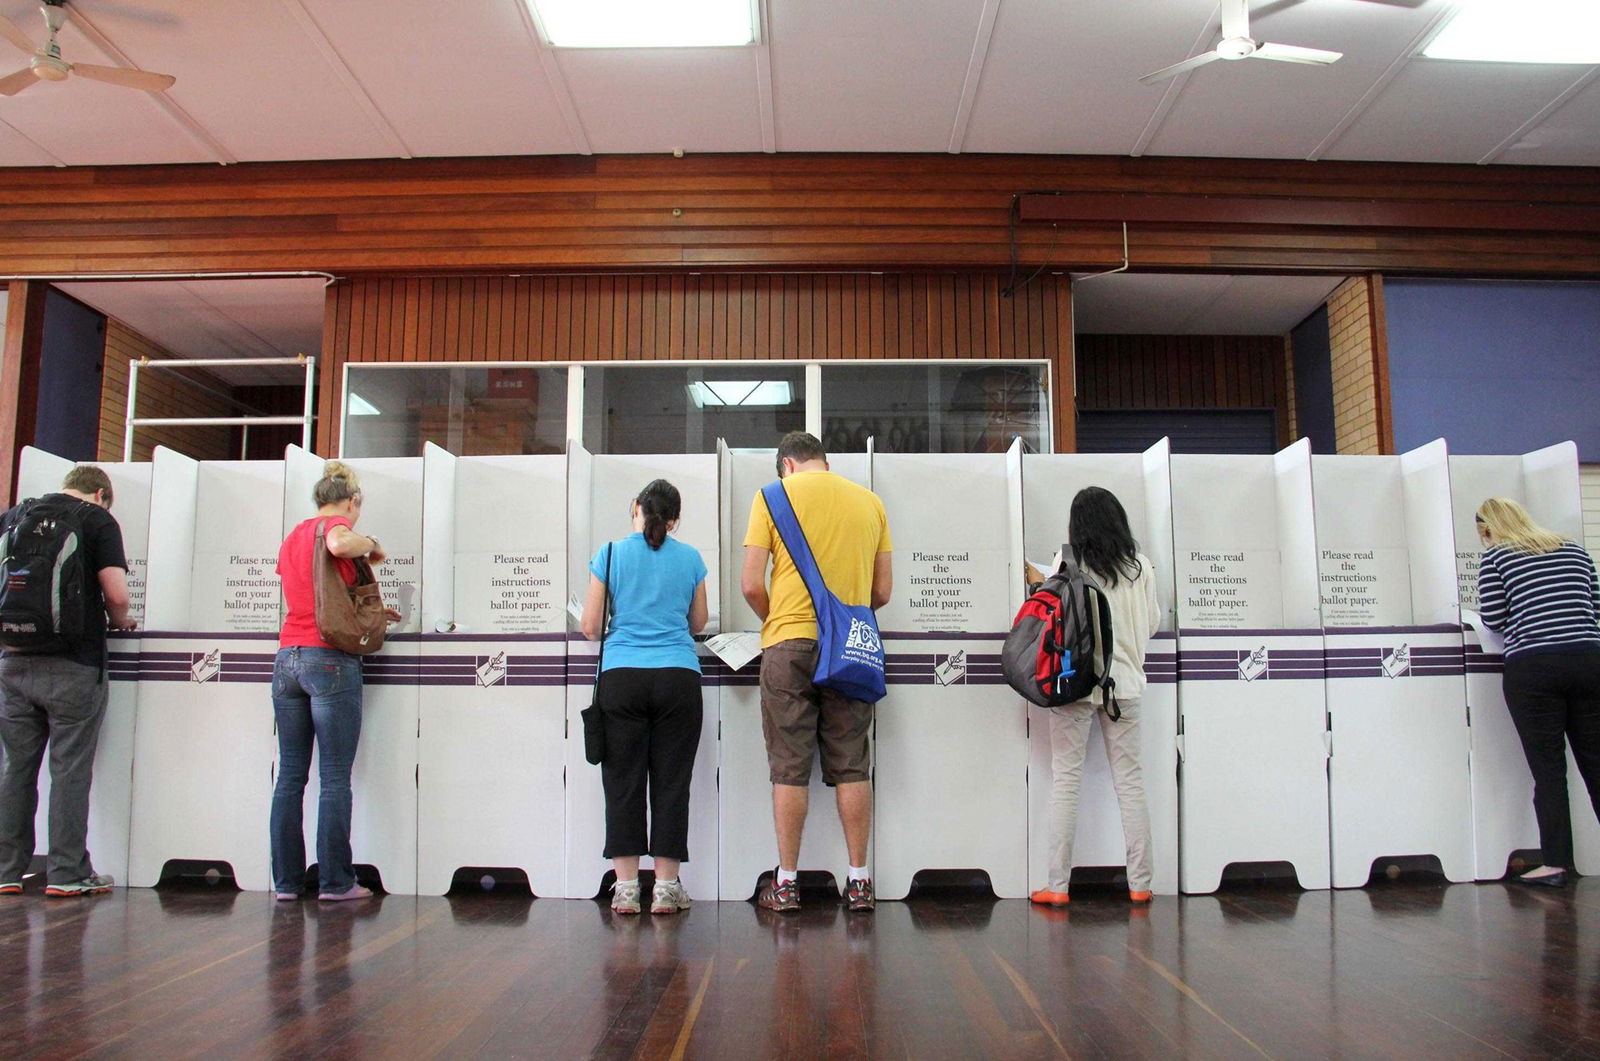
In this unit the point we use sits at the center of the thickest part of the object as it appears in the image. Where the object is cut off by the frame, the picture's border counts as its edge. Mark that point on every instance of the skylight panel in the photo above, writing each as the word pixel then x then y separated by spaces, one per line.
pixel 1521 31
pixel 646 23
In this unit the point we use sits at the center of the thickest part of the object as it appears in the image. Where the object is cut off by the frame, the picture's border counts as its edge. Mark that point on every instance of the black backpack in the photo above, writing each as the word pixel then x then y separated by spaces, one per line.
pixel 43 572
pixel 1050 655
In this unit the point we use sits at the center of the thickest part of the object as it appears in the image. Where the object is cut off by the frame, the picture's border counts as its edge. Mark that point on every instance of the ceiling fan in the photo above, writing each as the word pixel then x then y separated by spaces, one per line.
pixel 1237 43
pixel 47 64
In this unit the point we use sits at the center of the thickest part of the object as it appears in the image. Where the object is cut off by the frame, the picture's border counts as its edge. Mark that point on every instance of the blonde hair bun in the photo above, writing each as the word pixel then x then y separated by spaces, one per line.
pixel 338 483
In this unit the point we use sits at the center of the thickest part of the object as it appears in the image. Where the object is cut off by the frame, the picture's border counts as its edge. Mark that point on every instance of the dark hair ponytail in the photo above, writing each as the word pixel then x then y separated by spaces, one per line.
pixel 1098 532
pixel 659 504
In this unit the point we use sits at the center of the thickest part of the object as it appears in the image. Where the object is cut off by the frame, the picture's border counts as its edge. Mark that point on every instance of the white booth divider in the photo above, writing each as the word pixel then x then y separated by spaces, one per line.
pixel 599 498
pixel 748 844
pixel 41 473
pixel 1142 482
pixel 951 767
pixel 1397 714
pixel 383 830
pixel 491 668
pixel 1253 784
pixel 203 737
pixel 1546 483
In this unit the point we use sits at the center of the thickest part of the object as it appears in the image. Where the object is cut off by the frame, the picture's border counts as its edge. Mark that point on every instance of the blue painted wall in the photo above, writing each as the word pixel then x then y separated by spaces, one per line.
pixel 1494 366
pixel 70 360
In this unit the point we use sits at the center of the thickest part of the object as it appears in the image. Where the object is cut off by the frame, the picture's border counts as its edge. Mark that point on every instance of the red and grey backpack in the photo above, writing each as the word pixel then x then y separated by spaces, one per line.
pixel 1059 647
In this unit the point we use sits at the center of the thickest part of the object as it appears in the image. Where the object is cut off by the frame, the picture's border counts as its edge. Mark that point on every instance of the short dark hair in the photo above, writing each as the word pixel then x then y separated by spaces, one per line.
pixel 799 446
pixel 86 479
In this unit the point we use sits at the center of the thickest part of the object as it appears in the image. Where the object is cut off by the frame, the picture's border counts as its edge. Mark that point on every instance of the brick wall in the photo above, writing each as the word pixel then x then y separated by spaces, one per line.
pixel 1360 375
pixel 160 394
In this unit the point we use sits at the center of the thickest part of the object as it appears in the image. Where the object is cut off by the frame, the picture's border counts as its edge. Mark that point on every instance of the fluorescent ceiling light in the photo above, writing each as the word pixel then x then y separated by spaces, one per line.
pixel 646 23
pixel 1521 31
pixel 359 406
pixel 742 392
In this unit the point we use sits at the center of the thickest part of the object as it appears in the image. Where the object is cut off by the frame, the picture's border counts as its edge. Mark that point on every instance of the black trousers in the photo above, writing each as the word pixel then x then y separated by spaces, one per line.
pixel 653 717
pixel 1555 698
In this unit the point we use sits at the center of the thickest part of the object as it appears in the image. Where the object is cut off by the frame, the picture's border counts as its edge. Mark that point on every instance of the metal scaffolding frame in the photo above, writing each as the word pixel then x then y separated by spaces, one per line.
pixel 305 420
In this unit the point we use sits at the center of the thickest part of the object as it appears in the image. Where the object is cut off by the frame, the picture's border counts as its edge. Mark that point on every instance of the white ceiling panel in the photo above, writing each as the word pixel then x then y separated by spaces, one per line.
pixel 18 150
pixel 1438 110
pixel 1566 137
pixel 699 99
pixel 1182 304
pixel 1044 90
pixel 869 75
pixel 1265 109
pixel 250 73
pixel 218 318
pixel 500 103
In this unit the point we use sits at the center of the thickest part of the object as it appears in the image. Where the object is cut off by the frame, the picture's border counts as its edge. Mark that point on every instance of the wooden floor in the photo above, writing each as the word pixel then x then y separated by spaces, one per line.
pixel 1396 970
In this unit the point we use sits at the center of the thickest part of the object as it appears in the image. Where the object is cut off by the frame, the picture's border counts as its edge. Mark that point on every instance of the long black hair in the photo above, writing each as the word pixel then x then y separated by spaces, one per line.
pixel 1098 532
pixel 660 505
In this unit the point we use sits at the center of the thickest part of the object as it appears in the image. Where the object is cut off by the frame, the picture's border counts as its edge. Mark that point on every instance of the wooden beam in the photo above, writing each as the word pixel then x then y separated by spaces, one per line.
pixel 19 378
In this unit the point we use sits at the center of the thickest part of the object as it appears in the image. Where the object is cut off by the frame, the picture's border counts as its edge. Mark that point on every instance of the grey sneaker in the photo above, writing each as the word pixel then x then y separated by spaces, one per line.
pixel 98 884
pixel 668 897
pixel 625 897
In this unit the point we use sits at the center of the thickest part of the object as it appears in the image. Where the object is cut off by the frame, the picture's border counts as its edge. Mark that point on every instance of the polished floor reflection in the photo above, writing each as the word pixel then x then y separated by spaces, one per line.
pixel 1396 970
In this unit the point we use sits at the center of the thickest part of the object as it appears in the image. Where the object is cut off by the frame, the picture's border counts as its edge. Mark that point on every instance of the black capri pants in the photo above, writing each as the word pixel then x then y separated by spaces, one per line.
pixel 652 717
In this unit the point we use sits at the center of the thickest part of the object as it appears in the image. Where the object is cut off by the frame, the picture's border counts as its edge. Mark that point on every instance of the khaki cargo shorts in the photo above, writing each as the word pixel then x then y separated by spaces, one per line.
pixel 798 719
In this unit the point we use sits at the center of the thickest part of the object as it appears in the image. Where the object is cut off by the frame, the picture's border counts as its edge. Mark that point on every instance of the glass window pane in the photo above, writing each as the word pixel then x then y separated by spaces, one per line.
pixel 469 410
pixel 686 408
pixel 965 408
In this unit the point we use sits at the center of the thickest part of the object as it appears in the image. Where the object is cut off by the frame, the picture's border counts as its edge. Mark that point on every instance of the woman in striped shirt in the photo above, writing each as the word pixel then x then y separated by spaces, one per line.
pixel 1541 592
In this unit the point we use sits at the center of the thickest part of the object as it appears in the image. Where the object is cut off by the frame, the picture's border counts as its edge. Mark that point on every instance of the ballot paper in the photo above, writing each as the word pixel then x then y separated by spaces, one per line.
pixel 736 647
pixel 1493 644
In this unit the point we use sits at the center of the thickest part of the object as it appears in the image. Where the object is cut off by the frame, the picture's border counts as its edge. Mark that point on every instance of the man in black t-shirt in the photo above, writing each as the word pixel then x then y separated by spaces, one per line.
pixel 59 699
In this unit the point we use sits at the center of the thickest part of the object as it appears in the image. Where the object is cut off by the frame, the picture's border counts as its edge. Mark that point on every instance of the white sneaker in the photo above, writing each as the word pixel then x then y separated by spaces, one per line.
pixel 625 897
pixel 668 897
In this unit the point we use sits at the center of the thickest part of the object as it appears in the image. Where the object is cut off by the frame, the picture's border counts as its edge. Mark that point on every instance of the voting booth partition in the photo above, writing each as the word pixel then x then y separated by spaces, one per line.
pixel 601 488
pixel 491 670
pixel 746 840
pixel 203 736
pixel 1253 784
pixel 951 763
pixel 1545 482
pixel 1398 778
pixel 1142 483
pixel 41 473
pixel 383 831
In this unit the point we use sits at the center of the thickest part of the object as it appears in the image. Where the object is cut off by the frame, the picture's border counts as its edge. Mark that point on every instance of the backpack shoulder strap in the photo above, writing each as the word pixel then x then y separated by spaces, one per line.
pixel 794 538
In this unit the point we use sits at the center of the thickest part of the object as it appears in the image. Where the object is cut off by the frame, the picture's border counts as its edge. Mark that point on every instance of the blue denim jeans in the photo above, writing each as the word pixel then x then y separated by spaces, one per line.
pixel 316 695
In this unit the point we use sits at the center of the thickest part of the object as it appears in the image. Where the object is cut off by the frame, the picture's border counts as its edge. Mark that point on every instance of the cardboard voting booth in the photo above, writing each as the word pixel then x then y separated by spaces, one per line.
pixel 951 763
pixel 1545 482
pixel 1253 785
pixel 1142 482
pixel 601 488
pixel 41 473
pixel 748 844
pixel 491 668
pixel 383 831
pixel 1398 776
pixel 203 734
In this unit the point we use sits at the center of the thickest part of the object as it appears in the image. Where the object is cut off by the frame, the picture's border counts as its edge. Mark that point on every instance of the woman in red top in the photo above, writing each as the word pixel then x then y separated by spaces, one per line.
pixel 316 695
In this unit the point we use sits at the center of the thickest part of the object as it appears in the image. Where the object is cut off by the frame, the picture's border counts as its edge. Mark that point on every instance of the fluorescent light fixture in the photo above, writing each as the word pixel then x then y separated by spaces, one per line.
pixel 1521 31
pixel 359 406
pixel 741 392
pixel 646 23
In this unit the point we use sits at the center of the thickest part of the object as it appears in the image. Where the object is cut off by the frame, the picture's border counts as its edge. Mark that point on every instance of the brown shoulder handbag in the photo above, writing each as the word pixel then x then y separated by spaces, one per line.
pixel 350 618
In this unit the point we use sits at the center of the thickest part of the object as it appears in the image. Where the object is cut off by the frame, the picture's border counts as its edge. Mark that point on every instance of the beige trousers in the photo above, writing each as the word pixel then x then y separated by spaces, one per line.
pixel 1069 741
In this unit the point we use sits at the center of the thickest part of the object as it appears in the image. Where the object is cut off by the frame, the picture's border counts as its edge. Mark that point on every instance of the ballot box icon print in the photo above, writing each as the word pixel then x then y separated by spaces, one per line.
pixel 1254 665
pixel 203 667
pixel 1397 664
pixel 951 669
pixel 492 671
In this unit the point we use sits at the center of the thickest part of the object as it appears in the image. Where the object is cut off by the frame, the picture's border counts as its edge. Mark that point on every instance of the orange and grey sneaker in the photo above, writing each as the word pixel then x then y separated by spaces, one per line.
pixel 781 897
pixel 98 884
pixel 1045 897
pixel 858 894
pixel 1139 897
pixel 11 887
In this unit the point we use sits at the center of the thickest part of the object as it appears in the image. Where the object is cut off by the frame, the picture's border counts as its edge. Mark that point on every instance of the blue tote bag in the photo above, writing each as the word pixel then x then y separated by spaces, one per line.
pixel 849 649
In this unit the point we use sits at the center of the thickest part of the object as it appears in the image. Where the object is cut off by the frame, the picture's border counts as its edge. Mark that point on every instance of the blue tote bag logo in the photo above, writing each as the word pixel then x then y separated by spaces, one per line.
pixel 849 648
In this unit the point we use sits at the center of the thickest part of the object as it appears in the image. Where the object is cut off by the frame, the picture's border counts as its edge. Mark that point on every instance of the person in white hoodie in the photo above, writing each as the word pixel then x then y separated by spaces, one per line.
pixel 1102 544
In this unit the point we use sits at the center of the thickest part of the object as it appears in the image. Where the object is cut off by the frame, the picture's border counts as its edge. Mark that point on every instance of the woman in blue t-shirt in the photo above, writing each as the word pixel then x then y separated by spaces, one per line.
pixel 649 694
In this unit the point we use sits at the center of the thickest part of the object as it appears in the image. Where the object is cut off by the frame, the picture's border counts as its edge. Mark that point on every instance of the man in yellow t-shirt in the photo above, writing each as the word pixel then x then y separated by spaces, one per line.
pixel 848 531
